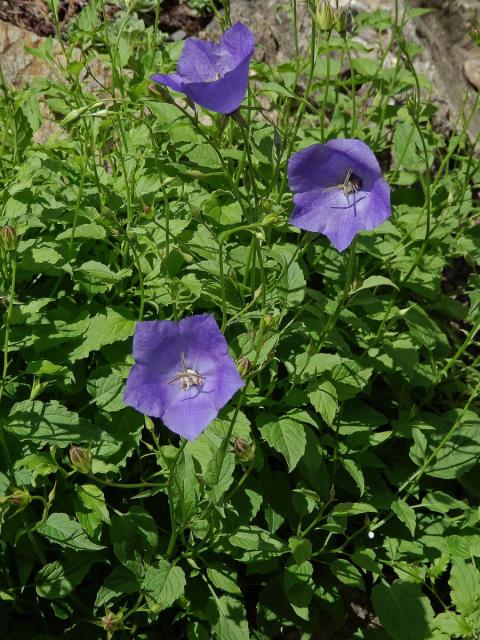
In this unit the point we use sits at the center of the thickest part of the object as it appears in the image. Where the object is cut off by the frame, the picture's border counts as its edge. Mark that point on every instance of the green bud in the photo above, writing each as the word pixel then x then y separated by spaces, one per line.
pixel 149 424
pixel 243 366
pixel 341 20
pixel 81 459
pixel 325 15
pixel 270 219
pixel 37 388
pixel 268 321
pixel 9 237
pixel 111 622
pixel 244 451
pixel 19 498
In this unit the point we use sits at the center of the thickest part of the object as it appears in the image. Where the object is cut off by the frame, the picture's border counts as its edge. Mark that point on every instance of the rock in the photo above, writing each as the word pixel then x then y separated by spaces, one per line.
pixel 21 67
pixel 471 69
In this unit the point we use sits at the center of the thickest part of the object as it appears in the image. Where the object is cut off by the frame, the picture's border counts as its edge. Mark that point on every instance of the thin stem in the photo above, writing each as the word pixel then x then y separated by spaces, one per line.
pixel 326 88
pixel 174 532
pixel 222 286
pixel 8 319
pixel 343 298
pixel 128 485
pixel 303 105
pixel 354 89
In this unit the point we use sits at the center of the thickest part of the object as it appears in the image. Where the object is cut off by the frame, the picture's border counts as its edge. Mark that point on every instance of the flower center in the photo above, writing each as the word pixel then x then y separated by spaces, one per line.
pixel 188 377
pixel 351 184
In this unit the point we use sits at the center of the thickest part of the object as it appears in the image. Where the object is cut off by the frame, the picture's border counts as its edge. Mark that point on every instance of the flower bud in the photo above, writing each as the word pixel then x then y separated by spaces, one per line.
pixel 19 498
pixel 267 321
pixel 37 388
pixel 325 15
pixel 9 237
pixel 81 459
pixel 244 451
pixel 341 20
pixel 243 366
pixel 271 218
pixel 111 622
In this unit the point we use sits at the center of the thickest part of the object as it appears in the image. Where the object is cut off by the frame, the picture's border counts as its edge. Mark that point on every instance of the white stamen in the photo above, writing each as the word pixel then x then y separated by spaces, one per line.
pixel 188 377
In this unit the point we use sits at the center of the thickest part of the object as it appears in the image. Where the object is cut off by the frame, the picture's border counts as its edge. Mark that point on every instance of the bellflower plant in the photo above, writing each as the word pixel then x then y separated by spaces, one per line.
pixel 338 190
pixel 215 76
pixel 182 374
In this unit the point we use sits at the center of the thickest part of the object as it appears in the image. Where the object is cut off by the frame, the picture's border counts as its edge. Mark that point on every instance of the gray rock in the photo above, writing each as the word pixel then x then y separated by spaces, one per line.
pixel 472 71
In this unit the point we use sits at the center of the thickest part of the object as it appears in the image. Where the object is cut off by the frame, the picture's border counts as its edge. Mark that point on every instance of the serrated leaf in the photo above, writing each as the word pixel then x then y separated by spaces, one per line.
pixel 347 573
pixel 58 579
pixel 162 585
pixel 49 423
pixel 403 610
pixel 465 585
pixel 324 400
pixel 405 514
pixel 62 530
pixel 288 438
pixel 228 619
pixel 101 330
pixel 355 471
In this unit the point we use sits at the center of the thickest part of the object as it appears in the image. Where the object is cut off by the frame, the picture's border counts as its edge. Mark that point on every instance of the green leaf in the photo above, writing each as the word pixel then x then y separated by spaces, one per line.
pixel 350 378
pixel 405 514
pixel 228 619
pixel 106 387
pixel 220 479
pixel 288 438
pixel 134 535
pixel 299 587
pixel 347 573
pixel 251 543
pixel 222 577
pixel 352 508
pixel 62 530
pixel 40 464
pixel 465 585
pixel 461 450
pixel 49 423
pixel 301 549
pixel 403 610
pixel 374 281
pixel 58 579
pixel 101 330
pixel 324 400
pixel 162 585
pixel 355 471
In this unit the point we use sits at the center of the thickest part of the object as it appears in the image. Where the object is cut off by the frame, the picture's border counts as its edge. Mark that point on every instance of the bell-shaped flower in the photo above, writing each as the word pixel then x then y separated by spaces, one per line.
pixel 215 76
pixel 338 190
pixel 182 374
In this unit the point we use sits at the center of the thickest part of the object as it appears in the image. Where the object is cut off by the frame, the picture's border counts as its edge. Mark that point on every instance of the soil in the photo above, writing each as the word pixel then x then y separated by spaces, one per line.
pixel 176 15
pixel 35 16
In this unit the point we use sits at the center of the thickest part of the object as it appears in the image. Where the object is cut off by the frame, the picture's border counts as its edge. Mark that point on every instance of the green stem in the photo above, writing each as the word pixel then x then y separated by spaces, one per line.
pixel 128 485
pixel 354 89
pixel 343 298
pixel 325 91
pixel 303 105
pixel 8 319
pixel 222 286
pixel 174 532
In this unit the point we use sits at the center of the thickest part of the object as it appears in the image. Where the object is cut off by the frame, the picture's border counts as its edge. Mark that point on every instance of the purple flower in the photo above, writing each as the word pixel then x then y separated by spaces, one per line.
pixel 215 76
pixel 182 374
pixel 338 190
